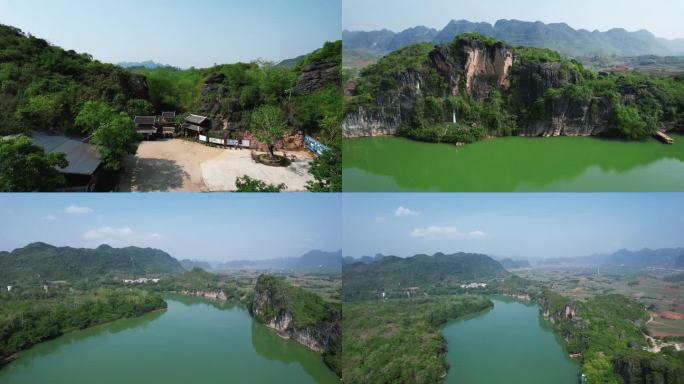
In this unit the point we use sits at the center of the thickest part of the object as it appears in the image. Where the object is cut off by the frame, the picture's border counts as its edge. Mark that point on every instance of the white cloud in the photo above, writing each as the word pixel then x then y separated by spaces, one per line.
pixel 403 211
pixel 446 232
pixel 155 235
pixel 78 210
pixel 380 219
pixel 108 233
pixel 48 218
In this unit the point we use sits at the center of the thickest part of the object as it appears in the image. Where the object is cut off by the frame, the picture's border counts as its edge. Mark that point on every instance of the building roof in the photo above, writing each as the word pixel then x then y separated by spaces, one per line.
pixel 194 127
pixel 169 129
pixel 83 158
pixel 169 115
pixel 145 120
pixel 195 119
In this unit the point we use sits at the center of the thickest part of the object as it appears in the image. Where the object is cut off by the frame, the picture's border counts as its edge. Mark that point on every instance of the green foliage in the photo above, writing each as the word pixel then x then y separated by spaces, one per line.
pixel 610 331
pixel 38 262
pixel 309 311
pixel 93 115
pixel 383 76
pixel 29 318
pixel 629 122
pixel 327 171
pixel 436 274
pixel 44 87
pixel 331 51
pixel 139 107
pixel 268 125
pixel 399 341
pixel 248 184
pixel 488 40
pixel 114 140
pixel 25 167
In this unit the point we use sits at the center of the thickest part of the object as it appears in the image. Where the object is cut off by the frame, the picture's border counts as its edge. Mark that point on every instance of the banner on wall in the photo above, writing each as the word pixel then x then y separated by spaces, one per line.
pixel 215 140
pixel 202 138
pixel 314 145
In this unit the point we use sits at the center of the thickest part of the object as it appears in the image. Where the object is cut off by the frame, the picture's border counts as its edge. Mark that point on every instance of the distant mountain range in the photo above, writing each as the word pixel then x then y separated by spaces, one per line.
pixel 557 36
pixel 42 262
pixel 144 64
pixel 645 258
pixel 391 273
pixel 312 260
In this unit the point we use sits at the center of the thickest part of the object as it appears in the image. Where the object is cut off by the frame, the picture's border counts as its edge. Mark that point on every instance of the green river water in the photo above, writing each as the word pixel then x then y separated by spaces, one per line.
pixel 194 341
pixel 513 164
pixel 507 344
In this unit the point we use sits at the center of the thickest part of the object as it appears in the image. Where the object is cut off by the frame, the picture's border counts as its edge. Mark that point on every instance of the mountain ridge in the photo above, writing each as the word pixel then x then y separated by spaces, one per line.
pixel 557 36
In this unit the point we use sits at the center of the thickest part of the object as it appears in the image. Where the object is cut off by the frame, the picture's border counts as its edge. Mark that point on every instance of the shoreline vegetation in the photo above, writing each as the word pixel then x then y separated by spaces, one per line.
pixel 476 87
pixel 32 317
pixel 400 340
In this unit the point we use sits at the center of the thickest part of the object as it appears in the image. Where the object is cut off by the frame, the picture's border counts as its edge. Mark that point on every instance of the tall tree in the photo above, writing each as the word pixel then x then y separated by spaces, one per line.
pixel 93 115
pixel 25 167
pixel 269 125
pixel 114 140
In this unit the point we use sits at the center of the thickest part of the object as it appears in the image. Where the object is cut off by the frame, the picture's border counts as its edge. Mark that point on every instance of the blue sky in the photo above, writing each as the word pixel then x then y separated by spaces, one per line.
pixel 661 17
pixel 186 225
pixel 510 224
pixel 182 33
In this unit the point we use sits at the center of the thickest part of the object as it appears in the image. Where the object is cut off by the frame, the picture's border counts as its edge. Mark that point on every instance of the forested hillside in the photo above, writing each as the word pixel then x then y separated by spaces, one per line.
pixel 475 86
pixel 39 262
pixel 45 87
pixel 308 92
pixel 421 273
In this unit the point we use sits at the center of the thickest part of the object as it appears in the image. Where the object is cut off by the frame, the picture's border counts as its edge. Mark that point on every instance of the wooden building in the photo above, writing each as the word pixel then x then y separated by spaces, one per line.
pixel 146 126
pixel 195 124
pixel 84 169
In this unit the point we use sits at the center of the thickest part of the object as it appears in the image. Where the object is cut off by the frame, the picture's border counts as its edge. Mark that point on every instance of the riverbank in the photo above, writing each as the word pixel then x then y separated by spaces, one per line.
pixel 511 339
pixel 510 164
pixel 196 339
pixel 399 340
pixel 27 322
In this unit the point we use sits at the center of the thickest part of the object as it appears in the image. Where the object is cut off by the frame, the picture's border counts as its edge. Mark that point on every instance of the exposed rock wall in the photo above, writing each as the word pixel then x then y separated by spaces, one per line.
pixel 316 76
pixel 470 66
pixel 272 306
pixel 320 338
pixel 214 295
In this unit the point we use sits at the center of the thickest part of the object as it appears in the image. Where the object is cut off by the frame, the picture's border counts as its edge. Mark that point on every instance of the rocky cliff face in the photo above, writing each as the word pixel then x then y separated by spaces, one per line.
pixel 471 66
pixel 475 68
pixel 214 295
pixel 316 76
pixel 271 306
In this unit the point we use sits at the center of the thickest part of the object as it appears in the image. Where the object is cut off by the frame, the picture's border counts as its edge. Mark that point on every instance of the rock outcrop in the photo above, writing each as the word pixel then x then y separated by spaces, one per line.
pixel 475 68
pixel 316 76
pixel 213 294
pixel 300 315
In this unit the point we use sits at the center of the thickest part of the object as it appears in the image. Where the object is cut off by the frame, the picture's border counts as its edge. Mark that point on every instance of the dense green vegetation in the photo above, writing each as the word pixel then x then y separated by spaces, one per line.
pixel 28 317
pixel 420 274
pixel 630 105
pixel 197 280
pixel 307 309
pixel 40 262
pixel 399 341
pixel 45 87
pixel 248 184
pixel 25 167
pixel 609 330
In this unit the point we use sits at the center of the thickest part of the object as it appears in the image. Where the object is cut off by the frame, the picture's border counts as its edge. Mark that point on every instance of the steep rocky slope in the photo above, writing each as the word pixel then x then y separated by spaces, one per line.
pixel 299 315
pixel 475 87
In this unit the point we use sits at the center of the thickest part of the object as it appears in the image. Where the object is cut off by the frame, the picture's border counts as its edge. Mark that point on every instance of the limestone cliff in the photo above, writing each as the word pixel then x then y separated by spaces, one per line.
pixel 300 315
pixel 540 91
